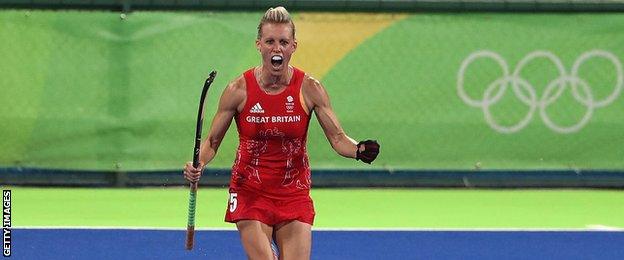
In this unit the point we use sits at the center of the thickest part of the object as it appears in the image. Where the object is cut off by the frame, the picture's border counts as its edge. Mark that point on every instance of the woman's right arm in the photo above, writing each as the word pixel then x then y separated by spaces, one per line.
pixel 231 101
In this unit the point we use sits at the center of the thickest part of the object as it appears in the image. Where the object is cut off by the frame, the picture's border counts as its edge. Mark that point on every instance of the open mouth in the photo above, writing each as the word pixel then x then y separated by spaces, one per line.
pixel 277 60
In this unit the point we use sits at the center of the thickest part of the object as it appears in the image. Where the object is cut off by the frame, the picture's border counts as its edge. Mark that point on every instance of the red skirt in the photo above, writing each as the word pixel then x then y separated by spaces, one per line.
pixel 248 205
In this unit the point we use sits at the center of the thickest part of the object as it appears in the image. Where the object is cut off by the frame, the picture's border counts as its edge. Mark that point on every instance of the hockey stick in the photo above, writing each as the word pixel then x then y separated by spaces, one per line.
pixel 190 228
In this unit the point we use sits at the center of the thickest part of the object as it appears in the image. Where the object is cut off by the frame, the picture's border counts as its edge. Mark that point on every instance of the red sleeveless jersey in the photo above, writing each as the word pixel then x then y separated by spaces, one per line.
pixel 271 158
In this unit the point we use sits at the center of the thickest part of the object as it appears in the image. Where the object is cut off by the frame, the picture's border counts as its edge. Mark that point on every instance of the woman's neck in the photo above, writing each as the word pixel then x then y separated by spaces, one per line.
pixel 271 82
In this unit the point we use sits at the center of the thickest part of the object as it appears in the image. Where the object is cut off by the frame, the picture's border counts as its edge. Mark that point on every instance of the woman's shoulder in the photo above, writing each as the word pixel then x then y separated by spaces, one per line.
pixel 313 91
pixel 311 85
pixel 238 83
pixel 236 89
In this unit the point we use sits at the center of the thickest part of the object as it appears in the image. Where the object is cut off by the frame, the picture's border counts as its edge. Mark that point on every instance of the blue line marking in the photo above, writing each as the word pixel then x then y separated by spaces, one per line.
pixel 209 244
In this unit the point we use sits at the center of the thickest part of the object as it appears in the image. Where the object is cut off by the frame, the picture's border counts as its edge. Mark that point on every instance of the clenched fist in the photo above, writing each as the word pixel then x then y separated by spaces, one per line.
pixel 367 151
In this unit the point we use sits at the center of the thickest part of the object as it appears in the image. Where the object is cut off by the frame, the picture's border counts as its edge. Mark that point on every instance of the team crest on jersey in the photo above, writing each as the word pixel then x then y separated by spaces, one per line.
pixel 256 108
pixel 290 105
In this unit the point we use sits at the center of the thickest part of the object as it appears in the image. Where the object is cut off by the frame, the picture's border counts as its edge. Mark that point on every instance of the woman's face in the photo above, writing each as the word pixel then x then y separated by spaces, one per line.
pixel 276 46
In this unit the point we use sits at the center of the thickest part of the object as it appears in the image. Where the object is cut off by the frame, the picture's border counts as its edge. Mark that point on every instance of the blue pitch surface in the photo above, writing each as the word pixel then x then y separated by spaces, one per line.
pixel 225 244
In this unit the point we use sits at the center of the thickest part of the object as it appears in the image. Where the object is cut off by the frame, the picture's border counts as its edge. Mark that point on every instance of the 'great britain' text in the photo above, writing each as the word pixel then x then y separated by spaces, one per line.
pixel 272 119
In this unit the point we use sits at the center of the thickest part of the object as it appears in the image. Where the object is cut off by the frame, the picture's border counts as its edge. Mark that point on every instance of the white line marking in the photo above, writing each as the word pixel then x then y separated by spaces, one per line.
pixel 466 229
pixel 604 228
pixel 356 229
pixel 124 228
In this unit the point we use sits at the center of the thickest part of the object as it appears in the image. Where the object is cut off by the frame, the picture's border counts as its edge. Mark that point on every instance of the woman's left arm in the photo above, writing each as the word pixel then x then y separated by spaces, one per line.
pixel 317 98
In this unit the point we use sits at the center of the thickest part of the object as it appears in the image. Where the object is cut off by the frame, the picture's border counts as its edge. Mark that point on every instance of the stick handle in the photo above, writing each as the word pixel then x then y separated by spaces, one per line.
pixel 190 237
pixel 190 228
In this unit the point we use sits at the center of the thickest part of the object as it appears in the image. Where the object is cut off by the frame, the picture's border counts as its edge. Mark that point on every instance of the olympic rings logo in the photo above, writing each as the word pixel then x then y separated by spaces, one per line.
pixel 553 91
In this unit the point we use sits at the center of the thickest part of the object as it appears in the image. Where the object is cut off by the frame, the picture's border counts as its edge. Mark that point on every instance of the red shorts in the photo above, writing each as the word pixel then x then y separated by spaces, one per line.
pixel 247 205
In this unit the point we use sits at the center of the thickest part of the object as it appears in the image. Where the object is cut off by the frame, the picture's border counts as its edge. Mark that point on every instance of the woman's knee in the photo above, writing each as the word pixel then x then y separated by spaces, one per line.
pixel 256 239
pixel 294 240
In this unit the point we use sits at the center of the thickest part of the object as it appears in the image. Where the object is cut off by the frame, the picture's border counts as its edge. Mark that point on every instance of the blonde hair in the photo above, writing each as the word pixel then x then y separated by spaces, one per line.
pixel 276 15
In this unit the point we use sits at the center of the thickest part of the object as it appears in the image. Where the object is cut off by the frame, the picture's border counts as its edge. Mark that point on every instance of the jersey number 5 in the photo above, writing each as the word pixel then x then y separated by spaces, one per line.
pixel 233 202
